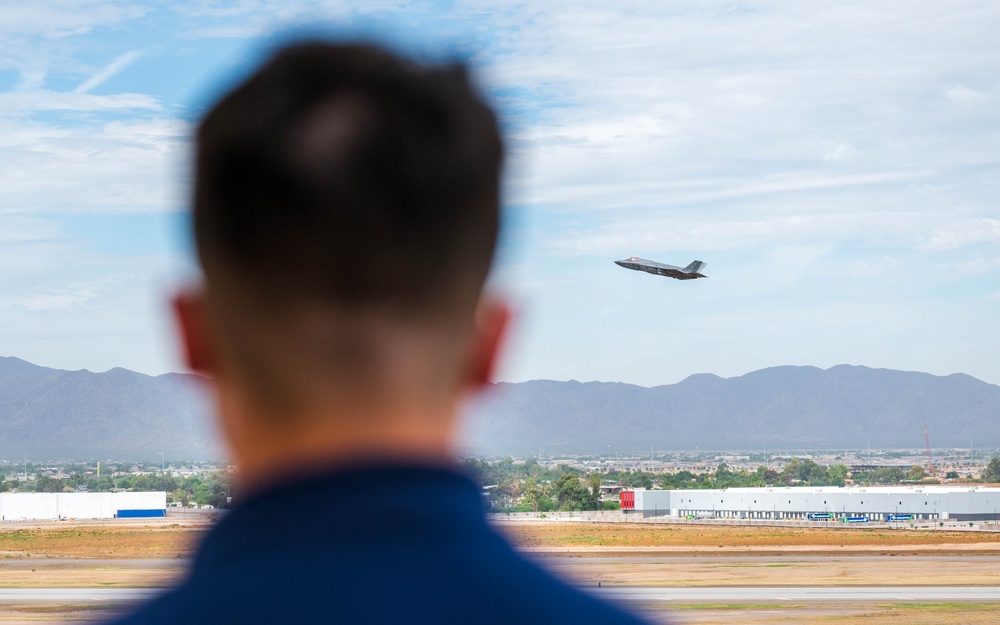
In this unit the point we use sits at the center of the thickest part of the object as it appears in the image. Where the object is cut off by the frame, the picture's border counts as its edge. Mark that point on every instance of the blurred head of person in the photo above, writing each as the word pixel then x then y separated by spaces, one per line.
pixel 346 210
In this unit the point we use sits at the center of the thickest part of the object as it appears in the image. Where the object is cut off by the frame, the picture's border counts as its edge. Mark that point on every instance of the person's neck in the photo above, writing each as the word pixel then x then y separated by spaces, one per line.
pixel 265 454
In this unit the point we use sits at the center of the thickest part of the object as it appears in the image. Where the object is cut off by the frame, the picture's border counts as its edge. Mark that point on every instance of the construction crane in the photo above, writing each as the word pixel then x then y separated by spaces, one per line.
pixel 927 441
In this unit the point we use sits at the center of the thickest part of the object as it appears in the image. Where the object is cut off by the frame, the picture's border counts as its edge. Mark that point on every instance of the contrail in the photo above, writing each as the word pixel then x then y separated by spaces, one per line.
pixel 110 70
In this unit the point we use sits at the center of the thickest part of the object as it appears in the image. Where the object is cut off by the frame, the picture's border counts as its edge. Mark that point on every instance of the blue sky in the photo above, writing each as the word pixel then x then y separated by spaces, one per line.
pixel 835 164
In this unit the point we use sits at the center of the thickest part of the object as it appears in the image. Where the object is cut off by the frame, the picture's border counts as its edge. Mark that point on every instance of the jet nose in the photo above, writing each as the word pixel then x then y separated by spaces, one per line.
pixel 620 263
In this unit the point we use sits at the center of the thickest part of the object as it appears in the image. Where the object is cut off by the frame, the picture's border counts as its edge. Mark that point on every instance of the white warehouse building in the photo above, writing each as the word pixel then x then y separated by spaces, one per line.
pixel 54 506
pixel 872 503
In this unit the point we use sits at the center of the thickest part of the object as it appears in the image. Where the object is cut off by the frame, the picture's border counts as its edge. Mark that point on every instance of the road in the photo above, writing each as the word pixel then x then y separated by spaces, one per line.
pixel 76 596
pixel 857 594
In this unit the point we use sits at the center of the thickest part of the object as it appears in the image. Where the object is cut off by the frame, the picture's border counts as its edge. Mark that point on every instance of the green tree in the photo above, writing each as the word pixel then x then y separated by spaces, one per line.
pixel 838 474
pixel 790 473
pixel 572 495
pixel 594 481
pixel 992 472
pixel 536 495
pixel 888 475
pixel 46 484
pixel 916 473
pixel 817 475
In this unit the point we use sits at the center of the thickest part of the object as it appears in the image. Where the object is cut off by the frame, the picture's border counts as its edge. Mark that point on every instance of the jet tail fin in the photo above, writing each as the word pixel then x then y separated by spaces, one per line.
pixel 695 267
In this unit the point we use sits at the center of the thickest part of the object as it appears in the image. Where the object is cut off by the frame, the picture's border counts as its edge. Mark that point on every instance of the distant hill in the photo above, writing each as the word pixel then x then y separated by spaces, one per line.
pixel 781 407
pixel 47 413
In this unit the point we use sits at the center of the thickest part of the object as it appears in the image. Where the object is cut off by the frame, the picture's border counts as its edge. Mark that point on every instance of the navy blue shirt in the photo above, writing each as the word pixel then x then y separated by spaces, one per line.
pixel 379 545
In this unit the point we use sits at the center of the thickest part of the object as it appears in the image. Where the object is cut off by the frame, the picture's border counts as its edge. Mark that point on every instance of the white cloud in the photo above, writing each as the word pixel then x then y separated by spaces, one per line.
pixel 964 232
pixel 121 166
pixel 25 102
pixel 836 152
pixel 22 229
pixel 870 269
pixel 61 18
pixel 49 301
pixel 692 231
pixel 107 72
pixel 963 94
pixel 978 266
pixel 32 77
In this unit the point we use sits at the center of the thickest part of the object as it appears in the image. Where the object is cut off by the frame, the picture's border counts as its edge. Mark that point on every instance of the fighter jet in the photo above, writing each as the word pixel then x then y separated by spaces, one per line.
pixel 690 272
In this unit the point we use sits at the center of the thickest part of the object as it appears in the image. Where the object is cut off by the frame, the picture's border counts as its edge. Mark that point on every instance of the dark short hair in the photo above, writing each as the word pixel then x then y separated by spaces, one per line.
pixel 346 174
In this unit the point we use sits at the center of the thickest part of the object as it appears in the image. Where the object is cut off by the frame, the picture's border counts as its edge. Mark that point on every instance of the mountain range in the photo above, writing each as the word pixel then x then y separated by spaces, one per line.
pixel 50 413
pixel 844 407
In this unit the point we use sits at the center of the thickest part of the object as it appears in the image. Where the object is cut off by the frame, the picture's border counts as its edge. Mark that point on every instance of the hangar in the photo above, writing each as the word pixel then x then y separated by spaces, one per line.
pixel 798 502
pixel 54 506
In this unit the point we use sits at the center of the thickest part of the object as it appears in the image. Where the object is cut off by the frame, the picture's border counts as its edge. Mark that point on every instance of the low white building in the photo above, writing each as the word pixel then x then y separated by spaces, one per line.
pixel 52 506
pixel 874 503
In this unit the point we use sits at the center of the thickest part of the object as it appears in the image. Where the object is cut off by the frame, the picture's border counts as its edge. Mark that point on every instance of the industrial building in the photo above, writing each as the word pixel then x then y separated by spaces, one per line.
pixel 54 506
pixel 849 503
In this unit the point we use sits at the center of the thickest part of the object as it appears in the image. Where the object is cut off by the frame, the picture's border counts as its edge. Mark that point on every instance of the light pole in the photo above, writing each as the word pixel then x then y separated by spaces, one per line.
pixel 161 461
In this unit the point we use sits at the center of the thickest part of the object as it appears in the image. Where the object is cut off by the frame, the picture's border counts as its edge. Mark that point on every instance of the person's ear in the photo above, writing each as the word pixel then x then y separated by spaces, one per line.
pixel 191 317
pixel 492 320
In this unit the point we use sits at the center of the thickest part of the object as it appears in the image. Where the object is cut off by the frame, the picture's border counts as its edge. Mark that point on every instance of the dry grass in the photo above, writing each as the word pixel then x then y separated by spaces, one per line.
pixel 655 572
pixel 596 538
pixel 861 614
pixel 81 574
pixel 39 614
pixel 101 541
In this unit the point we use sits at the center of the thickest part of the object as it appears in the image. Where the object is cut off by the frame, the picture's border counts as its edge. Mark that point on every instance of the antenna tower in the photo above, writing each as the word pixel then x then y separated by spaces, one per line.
pixel 927 441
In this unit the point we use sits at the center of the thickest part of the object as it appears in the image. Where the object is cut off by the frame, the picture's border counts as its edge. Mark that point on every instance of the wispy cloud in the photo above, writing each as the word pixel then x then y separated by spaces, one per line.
pixel 63 18
pixel 53 300
pixel 965 232
pixel 107 72
pixel 962 94
pixel 25 102
pixel 979 265
pixel 121 166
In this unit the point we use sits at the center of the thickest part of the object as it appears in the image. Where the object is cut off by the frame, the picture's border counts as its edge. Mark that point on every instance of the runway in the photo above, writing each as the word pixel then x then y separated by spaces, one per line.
pixel 76 596
pixel 857 594
pixel 750 594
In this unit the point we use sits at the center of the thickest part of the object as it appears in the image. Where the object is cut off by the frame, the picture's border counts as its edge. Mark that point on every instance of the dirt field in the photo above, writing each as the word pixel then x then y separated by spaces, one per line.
pixel 100 540
pixel 91 555
pixel 767 571
pixel 39 614
pixel 861 614
pixel 641 538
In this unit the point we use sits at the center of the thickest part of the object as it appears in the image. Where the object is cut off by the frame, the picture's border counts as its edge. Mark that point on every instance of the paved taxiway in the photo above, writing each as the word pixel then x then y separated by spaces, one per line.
pixel 76 596
pixel 856 594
